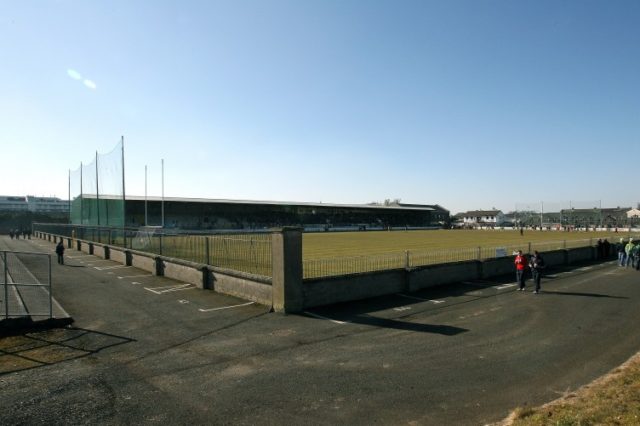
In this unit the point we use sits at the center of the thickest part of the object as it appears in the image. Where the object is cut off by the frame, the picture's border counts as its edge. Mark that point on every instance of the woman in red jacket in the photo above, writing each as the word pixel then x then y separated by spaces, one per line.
pixel 521 266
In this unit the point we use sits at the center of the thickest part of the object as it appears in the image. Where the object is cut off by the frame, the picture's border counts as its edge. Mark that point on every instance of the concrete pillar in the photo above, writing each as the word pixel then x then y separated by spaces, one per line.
pixel 286 253
pixel 159 266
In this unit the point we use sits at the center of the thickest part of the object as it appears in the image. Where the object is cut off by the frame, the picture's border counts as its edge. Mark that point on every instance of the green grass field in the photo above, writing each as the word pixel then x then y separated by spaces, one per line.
pixel 339 244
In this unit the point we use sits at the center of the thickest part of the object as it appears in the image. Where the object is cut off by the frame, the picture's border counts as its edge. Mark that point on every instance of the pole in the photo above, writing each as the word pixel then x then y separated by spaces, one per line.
pixel 69 196
pixel 50 289
pixel 146 221
pixel 541 213
pixel 6 286
pixel 81 197
pixel 162 203
pixel 97 191
pixel 600 208
pixel 124 210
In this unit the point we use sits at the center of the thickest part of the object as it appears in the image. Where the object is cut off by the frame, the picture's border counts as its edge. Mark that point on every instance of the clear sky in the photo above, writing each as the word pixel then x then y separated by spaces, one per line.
pixel 467 104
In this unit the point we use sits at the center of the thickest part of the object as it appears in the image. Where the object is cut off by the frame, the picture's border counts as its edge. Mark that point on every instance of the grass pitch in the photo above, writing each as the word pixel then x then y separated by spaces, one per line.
pixel 371 243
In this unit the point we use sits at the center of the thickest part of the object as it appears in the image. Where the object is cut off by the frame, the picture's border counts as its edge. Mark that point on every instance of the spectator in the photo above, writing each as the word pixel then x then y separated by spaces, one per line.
pixel 521 265
pixel 627 253
pixel 621 254
pixel 537 265
pixel 60 252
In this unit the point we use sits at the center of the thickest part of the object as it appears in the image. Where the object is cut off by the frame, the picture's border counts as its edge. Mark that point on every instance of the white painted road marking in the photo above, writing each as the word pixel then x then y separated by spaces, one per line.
pixel 226 307
pixel 420 298
pixel 183 301
pixel 168 289
pixel 104 268
pixel 503 286
pixel 325 318
pixel 413 297
pixel 402 308
pixel 135 276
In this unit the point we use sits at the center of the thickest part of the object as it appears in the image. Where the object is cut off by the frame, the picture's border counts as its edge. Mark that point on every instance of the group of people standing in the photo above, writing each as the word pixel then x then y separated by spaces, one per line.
pixel 535 263
pixel 15 233
pixel 629 254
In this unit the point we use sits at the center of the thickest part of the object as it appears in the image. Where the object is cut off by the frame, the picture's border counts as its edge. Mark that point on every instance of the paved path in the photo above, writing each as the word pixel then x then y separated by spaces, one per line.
pixel 147 349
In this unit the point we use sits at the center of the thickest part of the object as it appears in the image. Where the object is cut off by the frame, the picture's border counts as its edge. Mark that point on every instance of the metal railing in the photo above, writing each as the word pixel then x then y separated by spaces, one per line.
pixel 346 265
pixel 248 252
pixel 26 284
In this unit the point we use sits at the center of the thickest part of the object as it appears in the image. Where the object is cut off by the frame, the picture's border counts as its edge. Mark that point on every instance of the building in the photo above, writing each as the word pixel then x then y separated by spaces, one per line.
pixel 208 214
pixel 30 203
pixel 474 218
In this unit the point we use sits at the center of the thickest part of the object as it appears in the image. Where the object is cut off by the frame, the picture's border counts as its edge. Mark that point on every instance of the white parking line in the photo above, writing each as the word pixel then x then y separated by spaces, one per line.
pixel 225 307
pixel 503 286
pixel 79 257
pixel 325 318
pixel 161 290
pixel 420 298
pixel 412 297
pixel 135 276
pixel 104 268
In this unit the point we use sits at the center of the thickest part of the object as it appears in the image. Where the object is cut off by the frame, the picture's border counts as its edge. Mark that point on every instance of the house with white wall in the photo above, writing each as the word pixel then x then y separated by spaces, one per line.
pixel 483 218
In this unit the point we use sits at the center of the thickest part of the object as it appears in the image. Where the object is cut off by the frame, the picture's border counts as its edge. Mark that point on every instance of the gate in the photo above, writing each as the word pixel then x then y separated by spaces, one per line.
pixel 25 282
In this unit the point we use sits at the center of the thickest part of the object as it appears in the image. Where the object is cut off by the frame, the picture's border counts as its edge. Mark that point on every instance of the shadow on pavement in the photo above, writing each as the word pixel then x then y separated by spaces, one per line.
pixel 564 293
pixel 446 330
pixel 37 349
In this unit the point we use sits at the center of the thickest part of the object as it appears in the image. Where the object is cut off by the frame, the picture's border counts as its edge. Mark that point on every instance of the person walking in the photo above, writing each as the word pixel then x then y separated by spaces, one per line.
pixel 537 265
pixel 60 252
pixel 521 266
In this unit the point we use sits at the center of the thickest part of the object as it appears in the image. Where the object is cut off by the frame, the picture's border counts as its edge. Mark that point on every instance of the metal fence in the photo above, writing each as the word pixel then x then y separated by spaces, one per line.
pixel 326 267
pixel 26 285
pixel 240 251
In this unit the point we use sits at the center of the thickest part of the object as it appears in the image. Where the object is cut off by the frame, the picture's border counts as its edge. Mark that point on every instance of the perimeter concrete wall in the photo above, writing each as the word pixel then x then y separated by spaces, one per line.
pixel 288 292
pixel 246 286
pixel 353 287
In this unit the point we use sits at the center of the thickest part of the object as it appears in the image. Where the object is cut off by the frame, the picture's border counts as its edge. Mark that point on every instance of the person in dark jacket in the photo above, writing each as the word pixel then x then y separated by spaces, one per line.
pixel 60 252
pixel 536 263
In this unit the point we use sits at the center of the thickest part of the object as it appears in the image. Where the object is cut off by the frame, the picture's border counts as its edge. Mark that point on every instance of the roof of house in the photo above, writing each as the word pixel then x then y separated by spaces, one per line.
pixel 474 213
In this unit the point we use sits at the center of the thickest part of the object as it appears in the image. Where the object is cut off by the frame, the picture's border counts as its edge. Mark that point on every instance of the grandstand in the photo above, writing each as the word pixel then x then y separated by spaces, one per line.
pixel 207 214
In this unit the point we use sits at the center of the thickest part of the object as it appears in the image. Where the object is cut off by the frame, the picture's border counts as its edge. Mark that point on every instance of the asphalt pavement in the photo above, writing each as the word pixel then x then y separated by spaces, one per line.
pixel 146 350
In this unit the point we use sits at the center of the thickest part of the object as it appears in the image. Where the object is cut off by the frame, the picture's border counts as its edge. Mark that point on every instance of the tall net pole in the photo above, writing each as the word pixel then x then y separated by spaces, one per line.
pixel 124 210
pixel 97 191
pixel 69 199
pixel 162 204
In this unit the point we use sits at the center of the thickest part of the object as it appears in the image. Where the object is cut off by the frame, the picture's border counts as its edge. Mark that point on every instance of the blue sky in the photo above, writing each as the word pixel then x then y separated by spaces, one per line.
pixel 467 104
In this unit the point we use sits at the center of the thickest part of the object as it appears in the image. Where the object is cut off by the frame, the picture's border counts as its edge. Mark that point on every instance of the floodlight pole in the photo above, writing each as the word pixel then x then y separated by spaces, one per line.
pixel 97 191
pixel 124 210
pixel 145 196
pixel 81 197
pixel 69 199
pixel 162 203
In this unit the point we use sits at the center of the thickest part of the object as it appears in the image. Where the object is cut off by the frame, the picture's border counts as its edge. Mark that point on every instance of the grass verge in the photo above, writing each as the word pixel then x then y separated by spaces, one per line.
pixel 613 399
